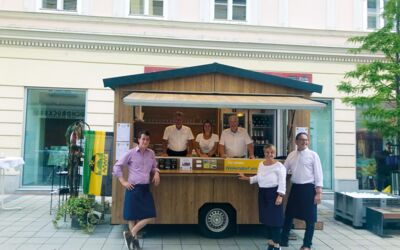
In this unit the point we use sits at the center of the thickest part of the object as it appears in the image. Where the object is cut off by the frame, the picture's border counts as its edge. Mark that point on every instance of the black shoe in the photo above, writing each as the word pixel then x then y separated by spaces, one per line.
pixel 136 245
pixel 284 244
pixel 128 239
pixel 270 247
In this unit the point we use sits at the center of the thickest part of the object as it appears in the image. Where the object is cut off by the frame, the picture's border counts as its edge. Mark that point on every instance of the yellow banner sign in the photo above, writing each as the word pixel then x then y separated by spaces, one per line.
pixel 242 165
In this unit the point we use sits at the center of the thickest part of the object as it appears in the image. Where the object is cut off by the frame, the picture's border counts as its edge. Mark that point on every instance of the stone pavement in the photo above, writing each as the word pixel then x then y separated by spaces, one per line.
pixel 31 228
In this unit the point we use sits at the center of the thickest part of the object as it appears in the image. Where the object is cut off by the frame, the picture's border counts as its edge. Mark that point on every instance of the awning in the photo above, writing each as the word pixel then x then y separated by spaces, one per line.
pixel 220 101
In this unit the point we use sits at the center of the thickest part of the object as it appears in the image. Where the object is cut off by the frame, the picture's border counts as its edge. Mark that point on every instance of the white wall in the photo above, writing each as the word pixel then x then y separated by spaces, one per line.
pixel 313 14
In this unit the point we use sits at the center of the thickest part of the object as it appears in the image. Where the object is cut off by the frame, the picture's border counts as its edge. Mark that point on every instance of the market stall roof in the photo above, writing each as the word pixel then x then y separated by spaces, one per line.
pixel 121 81
pixel 157 99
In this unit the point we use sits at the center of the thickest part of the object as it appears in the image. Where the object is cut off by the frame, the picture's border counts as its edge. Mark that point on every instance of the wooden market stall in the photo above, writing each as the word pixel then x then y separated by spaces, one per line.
pixel 204 93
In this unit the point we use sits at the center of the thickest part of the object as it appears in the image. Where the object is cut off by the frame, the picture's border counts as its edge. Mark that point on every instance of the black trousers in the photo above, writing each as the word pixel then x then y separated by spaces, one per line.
pixel 176 153
pixel 308 234
pixel 274 234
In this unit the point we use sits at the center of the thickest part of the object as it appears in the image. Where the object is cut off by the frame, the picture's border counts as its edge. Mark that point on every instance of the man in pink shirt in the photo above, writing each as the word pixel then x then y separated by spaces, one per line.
pixel 139 207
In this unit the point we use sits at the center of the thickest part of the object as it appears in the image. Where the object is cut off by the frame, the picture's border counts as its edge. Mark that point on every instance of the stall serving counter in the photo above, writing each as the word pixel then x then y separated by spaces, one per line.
pixel 207 193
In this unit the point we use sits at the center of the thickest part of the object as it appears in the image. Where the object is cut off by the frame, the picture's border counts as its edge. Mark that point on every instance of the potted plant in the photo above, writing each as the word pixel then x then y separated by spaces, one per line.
pixel 82 212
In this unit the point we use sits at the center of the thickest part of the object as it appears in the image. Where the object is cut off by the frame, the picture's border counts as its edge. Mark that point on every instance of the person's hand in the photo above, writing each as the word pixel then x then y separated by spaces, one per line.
pixel 128 185
pixel 164 154
pixel 243 177
pixel 317 198
pixel 204 155
pixel 278 200
pixel 156 178
pixel 251 157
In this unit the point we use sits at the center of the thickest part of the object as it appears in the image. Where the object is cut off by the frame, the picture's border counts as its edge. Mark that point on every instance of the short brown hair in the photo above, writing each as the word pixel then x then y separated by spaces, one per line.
pixel 267 146
pixel 178 114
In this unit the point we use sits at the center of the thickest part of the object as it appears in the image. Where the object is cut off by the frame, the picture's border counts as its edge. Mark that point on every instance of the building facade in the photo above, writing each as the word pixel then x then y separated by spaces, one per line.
pixel 54 55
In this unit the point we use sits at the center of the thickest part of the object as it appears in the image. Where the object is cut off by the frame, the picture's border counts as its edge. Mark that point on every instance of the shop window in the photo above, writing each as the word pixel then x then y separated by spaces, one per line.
pixel 60 5
pixel 49 112
pixel 147 7
pixel 369 145
pixel 230 10
pixel 321 139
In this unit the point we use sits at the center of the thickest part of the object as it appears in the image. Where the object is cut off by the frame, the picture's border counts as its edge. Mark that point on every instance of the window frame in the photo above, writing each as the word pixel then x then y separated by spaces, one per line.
pixel 229 13
pixel 379 18
pixel 146 10
pixel 60 7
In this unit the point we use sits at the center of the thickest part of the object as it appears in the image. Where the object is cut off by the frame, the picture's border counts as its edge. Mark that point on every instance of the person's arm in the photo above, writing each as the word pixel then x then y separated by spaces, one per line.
pixel 213 151
pixel 221 150
pixel 165 141
pixel 117 171
pixel 250 148
pixel 252 180
pixel 198 149
pixel 318 175
pixel 221 146
pixel 190 143
pixel 249 144
pixel 189 148
pixel 287 164
pixel 281 180
pixel 155 171
pixel 164 146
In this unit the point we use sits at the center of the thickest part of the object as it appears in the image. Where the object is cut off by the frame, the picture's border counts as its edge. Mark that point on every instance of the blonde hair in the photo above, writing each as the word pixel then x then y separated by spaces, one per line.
pixel 267 146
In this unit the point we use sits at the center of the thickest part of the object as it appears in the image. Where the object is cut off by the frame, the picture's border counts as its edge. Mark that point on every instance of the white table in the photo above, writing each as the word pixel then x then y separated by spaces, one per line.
pixel 8 163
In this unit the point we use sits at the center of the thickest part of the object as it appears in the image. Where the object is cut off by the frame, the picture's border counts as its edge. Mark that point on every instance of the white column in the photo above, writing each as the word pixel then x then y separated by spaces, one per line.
pixel 330 14
pixel 283 9
pixel 205 10
pixel 360 14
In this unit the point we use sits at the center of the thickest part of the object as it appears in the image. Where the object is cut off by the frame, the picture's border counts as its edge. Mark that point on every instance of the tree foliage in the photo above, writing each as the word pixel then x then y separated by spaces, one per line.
pixel 375 86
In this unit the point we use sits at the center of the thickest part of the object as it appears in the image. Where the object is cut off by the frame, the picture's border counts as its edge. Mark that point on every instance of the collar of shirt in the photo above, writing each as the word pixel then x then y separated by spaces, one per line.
pixel 234 133
pixel 303 151
pixel 137 149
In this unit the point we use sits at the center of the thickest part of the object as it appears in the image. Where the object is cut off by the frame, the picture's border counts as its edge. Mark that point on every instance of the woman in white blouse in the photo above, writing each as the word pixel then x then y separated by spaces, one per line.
pixel 271 179
pixel 206 143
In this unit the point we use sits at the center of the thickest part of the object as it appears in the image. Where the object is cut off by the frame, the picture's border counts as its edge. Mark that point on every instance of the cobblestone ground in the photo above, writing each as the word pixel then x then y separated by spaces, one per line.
pixel 31 228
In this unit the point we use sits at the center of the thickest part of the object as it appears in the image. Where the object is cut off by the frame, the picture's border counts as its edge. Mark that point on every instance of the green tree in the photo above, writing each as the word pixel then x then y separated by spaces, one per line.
pixel 376 86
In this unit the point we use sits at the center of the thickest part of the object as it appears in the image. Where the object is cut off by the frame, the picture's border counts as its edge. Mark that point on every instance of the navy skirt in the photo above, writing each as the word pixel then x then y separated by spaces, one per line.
pixel 300 203
pixel 139 203
pixel 269 213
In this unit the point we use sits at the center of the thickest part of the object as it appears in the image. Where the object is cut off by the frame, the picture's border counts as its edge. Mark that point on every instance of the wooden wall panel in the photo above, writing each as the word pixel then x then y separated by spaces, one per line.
pixel 122 113
pixel 240 194
pixel 178 198
pixel 187 193
pixel 202 83
pixel 230 84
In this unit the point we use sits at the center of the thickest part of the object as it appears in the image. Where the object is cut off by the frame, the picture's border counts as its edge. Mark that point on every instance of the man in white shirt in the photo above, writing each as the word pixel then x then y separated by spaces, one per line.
pixel 306 191
pixel 178 139
pixel 235 141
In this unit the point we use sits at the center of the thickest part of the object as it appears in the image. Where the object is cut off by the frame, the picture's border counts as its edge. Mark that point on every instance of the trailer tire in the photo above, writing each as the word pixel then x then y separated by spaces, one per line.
pixel 217 220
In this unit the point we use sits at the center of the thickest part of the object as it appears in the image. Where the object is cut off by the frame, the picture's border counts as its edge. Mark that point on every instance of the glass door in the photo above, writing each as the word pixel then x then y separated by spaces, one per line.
pixel 49 112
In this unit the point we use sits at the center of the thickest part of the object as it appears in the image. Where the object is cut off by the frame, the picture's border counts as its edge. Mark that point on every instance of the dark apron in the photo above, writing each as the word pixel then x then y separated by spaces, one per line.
pixel 139 203
pixel 300 203
pixel 176 153
pixel 269 213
